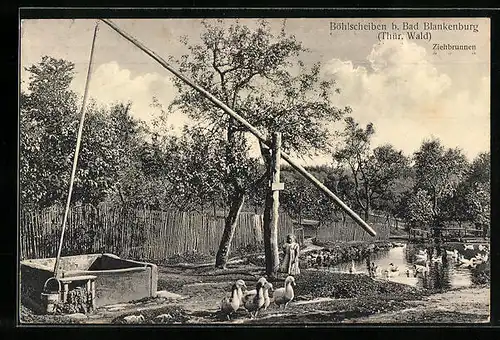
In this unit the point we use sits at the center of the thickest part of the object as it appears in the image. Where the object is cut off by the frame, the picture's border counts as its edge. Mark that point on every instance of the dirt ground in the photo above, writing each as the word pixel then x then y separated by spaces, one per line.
pixel 468 305
pixel 195 293
pixel 191 294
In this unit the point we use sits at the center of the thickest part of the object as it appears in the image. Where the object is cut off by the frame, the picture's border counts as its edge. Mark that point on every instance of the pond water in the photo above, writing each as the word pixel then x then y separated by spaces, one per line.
pixel 444 272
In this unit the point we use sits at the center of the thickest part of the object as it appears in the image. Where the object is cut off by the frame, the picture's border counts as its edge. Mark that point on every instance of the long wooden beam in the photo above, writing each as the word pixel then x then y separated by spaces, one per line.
pixel 241 120
pixel 57 269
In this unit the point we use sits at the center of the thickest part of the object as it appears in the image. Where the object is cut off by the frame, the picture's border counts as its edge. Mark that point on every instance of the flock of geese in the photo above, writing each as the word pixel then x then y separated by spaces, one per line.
pixel 423 259
pixel 257 299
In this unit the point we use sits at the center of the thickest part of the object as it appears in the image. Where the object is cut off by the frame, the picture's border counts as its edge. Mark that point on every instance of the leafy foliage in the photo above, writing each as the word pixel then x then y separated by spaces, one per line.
pixel 191 171
pixel 418 210
pixel 374 172
pixel 251 71
pixel 472 201
pixel 49 121
pixel 438 171
pixel 301 199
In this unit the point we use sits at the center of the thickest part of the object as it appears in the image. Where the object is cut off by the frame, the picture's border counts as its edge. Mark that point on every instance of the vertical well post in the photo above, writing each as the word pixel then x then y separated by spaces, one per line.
pixel 271 213
pixel 276 186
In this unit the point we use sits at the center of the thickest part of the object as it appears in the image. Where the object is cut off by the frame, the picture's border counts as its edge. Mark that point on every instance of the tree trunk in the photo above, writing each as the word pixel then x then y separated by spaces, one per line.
pixel 237 201
pixel 267 233
pixel 367 210
pixel 229 228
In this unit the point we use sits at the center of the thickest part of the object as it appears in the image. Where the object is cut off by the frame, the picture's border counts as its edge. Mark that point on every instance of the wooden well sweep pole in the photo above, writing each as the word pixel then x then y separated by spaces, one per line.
pixel 77 149
pixel 242 121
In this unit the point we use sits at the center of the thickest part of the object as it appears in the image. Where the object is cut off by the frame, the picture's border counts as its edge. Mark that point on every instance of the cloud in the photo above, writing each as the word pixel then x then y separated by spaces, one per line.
pixel 110 83
pixel 408 99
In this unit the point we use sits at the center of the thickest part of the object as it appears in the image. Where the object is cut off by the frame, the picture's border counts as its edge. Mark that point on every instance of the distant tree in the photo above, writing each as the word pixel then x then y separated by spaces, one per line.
pixel 417 208
pixel 301 199
pixel 473 196
pixel 354 152
pixel 438 172
pixel 189 172
pixel 130 134
pixel 386 172
pixel 252 71
pixel 374 172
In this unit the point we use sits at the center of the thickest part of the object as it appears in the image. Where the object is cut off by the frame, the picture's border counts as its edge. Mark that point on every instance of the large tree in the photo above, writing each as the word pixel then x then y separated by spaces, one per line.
pixel 258 74
pixel 49 118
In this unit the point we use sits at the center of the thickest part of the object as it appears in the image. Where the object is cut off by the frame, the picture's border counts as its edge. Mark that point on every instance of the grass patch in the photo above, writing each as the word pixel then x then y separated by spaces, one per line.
pixel 189 257
pixel 315 284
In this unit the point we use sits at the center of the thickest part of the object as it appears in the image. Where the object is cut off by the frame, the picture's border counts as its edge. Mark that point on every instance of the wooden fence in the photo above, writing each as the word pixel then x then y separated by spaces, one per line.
pixel 445 233
pixel 134 233
pixel 348 230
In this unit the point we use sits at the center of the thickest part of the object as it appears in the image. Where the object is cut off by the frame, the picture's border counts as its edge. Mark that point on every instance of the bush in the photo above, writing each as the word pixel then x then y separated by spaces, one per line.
pixel 481 274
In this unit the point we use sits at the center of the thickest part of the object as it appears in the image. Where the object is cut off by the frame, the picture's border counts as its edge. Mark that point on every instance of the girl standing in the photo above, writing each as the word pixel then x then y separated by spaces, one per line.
pixel 291 250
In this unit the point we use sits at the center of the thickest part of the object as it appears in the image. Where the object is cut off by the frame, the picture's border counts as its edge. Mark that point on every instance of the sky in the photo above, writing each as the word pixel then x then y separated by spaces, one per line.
pixel 406 88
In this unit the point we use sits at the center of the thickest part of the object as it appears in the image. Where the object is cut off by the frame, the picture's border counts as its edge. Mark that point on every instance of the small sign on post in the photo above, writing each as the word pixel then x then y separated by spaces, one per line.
pixel 277 186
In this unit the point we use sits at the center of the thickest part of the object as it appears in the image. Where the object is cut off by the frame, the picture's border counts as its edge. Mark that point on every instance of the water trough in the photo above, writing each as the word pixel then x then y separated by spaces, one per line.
pixel 109 278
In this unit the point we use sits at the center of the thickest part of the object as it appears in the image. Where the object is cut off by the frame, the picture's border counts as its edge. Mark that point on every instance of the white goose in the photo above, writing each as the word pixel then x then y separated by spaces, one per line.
pixel 467 262
pixel 249 293
pixel 421 269
pixel 254 303
pixel 421 255
pixel 437 259
pixel 469 246
pixel 352 269
pixel 229 305
pixel 266 287
pixel 391 271
pixel 393 268
pixel 453 253
pixel 283 296
pixel 241 288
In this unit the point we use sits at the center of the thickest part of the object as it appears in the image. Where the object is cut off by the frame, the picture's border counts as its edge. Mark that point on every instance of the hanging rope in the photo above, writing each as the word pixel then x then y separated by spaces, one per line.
pixel 77 149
